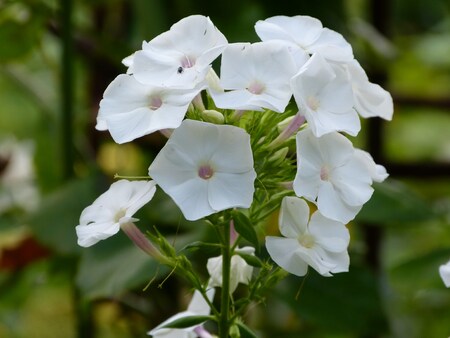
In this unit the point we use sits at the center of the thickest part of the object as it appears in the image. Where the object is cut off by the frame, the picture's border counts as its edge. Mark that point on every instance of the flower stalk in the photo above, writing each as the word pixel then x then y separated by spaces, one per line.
pixel 224 320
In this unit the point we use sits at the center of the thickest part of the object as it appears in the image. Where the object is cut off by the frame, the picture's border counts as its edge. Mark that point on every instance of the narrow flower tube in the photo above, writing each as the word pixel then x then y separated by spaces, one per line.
pixel 293 126
pixel 139 239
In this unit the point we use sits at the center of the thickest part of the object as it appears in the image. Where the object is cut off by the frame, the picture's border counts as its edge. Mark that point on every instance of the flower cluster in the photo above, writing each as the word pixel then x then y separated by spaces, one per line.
pixel 266 133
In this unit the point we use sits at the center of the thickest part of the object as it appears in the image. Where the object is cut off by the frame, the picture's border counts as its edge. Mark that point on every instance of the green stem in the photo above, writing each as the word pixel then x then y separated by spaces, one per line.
pixel 224 320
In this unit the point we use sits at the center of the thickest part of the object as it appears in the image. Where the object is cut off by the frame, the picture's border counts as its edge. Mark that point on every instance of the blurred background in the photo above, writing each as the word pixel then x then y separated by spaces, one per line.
pixel 57 58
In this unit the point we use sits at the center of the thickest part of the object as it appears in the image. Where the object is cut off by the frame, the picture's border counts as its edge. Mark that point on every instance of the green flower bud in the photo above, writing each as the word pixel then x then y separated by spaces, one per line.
pixel 279 156
pixel 213 116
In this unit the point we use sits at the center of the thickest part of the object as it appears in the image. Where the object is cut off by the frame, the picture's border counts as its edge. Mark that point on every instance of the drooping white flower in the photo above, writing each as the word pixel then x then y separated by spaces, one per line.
pixel 324 96
pixel 320 243
pixel 444 272
pixel 377 171
pixel 130 109
pixel 308 33
pixel 331 173
pixel 241 272
pixel 206 168
pixel 370 99
pixel 257 76
pixel 113 209
pixel 180 57
pixel 197 307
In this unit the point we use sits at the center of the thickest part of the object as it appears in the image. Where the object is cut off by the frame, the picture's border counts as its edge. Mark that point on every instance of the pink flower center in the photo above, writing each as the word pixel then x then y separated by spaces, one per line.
pixel 256 88
pixel 205 172
pixel 187 62
pixel 324 173
pixel 155 102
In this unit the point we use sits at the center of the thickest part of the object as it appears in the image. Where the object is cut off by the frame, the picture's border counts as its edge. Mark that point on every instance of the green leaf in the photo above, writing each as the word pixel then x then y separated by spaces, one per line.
pixel 245 331
pixel 394 202
pixel 113 266
pixel 245 228
pixel 347 302
pixel 251 259
pixel 53 223
pixel 184 322
pixel 198 245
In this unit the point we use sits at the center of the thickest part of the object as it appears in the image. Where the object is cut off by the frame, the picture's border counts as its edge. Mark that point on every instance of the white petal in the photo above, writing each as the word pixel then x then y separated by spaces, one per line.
pixel 192 198
pixel 303 30
pixel 236 99
pixel 294 217
pixel 332 46
pixel 240 272
pixel 370 99
pixel 89 235
pixel 336 149
pixel 377 171
pixel 444 272
pixel 282 251
pixel 353 182
pixel 233 153
pixel 214 267
pixel 198 304
pixel 331 235
pixel 331 205
pixel 231 190
pixel 266 65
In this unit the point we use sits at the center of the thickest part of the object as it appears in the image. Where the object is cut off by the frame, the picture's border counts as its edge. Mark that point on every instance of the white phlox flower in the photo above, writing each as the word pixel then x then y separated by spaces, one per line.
pixel 370 99
pixel 324 96
pixel 241 272
pixel 130 109
pixel 113 209
pixel 308 33
pixel 180 57
pixel 197 307
pixel 206 168
pixel 320 243
pixel 332 174
pixel 256 75
pixel 444 272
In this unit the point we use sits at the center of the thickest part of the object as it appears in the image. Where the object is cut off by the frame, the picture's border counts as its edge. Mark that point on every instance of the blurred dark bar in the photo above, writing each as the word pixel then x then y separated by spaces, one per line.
pixel 67 85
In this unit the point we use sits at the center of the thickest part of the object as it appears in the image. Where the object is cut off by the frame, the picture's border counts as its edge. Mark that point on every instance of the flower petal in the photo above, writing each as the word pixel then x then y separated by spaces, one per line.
pixel 282 251
pixel 331 235
pixel 331 205
pixel 231 190
pixel 294 217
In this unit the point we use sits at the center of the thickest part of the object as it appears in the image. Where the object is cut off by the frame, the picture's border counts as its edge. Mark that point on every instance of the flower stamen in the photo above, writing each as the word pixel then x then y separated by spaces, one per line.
pixel 205 172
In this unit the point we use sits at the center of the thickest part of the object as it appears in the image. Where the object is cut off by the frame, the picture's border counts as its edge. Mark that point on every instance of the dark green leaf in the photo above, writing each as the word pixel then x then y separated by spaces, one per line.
pixel 251 259
pixel 53 223
pixel 245 331
pixel 394 202
pixel 185 322
pixel 245 228
pixel 198 245
pixel 113 266
pixel 346 302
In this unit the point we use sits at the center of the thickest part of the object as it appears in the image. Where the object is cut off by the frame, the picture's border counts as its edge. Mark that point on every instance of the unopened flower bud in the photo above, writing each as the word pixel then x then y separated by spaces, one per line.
pixel 213 116
pixel 285 123
pixel 279 155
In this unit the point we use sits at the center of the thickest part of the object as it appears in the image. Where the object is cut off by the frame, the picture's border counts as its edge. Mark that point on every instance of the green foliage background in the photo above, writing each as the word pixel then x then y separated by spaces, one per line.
pixel 101 291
